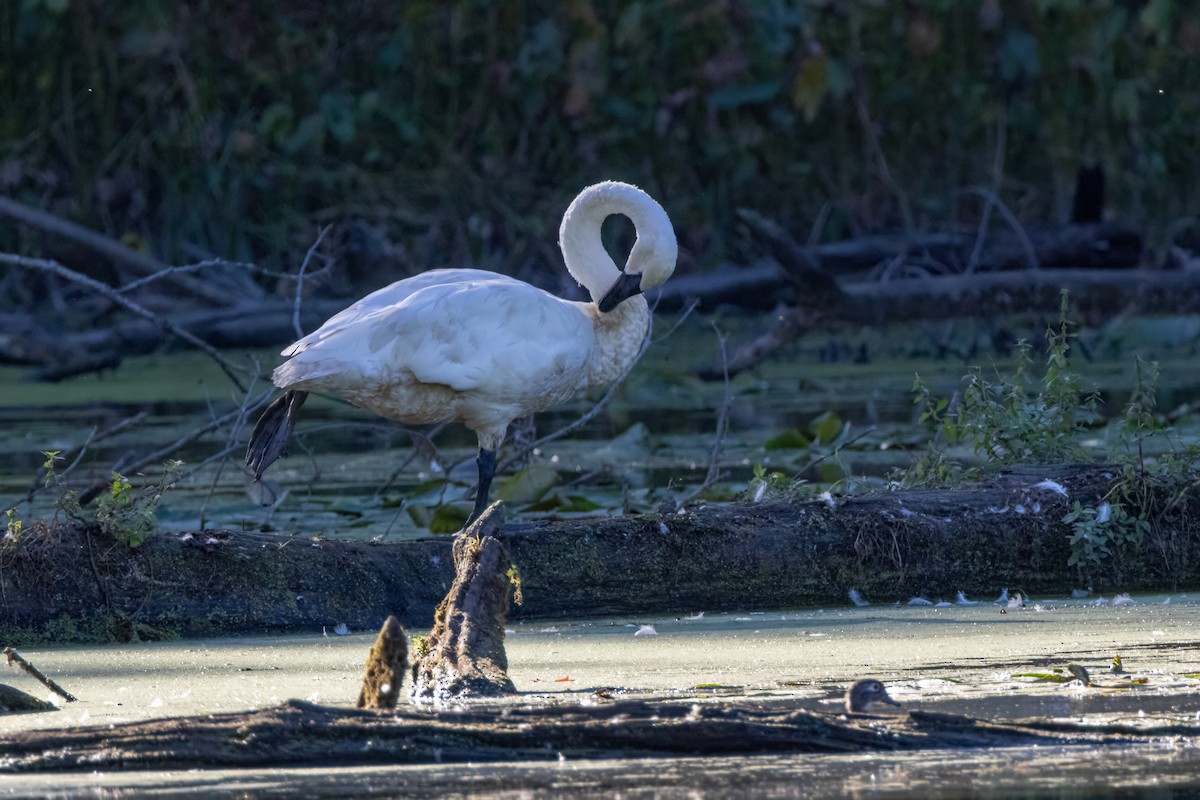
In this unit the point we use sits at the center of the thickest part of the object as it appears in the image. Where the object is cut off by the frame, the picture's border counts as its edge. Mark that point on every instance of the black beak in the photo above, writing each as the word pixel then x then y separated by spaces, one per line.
pixel 626 287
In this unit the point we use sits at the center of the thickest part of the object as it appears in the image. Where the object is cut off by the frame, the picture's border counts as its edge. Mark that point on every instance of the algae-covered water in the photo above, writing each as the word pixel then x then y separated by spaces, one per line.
pixel 970 660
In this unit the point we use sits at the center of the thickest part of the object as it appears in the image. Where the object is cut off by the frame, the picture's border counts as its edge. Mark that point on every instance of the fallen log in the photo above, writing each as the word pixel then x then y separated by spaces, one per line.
pixel 1095 294
pixel 305 733
pixel 74 584
pixel 58 356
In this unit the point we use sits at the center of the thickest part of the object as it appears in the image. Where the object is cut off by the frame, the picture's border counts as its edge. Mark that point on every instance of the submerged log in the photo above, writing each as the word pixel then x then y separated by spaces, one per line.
pixel 15 701
pixel 73 584
pixel 304 733
pixel 464 653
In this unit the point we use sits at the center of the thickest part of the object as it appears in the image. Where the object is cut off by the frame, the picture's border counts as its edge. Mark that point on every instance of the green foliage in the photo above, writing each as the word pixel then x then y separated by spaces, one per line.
pixel 1095 531
pixel 1007 421
pixel 67 501
pixel 13 528
pixel 462 127
pixel 126 514
pixel 420 646
pixel 130 516
pixel 514 577
pixel 1007 424
pixel 772 485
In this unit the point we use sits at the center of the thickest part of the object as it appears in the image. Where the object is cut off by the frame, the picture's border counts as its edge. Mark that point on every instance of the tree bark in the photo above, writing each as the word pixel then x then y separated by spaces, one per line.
pixel 464 654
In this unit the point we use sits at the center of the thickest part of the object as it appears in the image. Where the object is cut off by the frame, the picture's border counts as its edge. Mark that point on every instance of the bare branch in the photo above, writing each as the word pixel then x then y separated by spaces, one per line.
pixel 165 452
pixel 1012 220
pixel 55 268
pixel 714 468
pixel 200 265
pixel 300 281
pixel 106 246
pixel 15 658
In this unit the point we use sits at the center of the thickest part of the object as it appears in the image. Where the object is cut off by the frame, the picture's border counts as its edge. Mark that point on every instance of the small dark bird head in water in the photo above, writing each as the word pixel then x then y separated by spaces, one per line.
pixel 862 694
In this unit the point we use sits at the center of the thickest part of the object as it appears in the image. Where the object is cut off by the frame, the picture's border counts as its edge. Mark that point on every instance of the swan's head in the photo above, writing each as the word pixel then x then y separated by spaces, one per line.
pixel 650 262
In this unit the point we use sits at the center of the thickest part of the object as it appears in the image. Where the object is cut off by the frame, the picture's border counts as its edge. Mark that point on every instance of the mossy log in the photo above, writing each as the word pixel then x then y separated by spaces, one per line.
pixel 303 733
pixel 73 585
pixel 464 653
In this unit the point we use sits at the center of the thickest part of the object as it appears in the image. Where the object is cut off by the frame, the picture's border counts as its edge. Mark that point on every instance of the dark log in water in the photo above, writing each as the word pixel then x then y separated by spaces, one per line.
pixel 303 733
pixel 74 584
pixel 15 701
pixel 464 653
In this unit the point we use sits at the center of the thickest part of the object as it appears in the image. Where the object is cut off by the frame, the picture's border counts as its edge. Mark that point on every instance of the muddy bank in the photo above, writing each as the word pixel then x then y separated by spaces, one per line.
pixel 73 585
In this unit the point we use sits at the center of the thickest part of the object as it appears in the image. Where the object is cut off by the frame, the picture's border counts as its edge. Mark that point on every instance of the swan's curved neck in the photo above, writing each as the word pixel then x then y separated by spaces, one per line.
pixel 619 335
pixel 579 235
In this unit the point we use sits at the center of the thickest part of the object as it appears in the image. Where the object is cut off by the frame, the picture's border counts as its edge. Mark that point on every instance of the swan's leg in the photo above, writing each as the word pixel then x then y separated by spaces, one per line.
pixel 487 470
pixel 270 437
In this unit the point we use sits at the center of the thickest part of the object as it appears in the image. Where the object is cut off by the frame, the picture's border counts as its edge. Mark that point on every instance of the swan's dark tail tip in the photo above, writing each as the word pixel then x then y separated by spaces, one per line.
pixel 268 442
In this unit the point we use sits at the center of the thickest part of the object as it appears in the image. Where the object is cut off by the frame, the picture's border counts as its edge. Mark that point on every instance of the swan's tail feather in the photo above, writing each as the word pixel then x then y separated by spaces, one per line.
pixel 269 441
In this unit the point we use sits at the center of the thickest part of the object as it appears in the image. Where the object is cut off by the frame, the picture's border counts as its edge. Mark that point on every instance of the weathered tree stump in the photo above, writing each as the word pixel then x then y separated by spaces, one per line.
pixel 464 654
pixel 386 665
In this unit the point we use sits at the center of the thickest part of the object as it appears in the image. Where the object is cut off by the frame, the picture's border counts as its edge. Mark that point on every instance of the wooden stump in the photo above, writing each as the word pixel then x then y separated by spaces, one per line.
pixel 386 664
pixel 464 654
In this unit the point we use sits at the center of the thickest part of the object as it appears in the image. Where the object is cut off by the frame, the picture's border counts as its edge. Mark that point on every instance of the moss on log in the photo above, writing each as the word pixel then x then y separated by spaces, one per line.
pixel 73 585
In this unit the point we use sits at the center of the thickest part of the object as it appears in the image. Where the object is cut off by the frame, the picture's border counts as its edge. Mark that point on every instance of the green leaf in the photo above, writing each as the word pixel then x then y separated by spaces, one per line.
pixel 449 518
pixel 825 427
pixel 528 485
pixel 788 440
pixel 810 83
pixel 338 110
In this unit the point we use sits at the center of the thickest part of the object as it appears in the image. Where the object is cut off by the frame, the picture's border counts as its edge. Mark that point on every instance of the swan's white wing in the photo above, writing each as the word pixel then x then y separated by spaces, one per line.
pixel 387 297
pixel 496 336
pixel 504 339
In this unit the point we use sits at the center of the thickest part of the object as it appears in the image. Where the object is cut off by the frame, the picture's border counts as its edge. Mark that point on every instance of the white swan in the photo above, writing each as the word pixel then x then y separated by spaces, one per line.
pixel 479 347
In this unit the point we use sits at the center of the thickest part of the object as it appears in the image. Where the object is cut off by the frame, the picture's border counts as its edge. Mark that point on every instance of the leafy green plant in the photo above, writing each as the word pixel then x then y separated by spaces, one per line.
pixel 1007 423
pixel 125 513
pixel 770 485
pixel 1095 531
pixel 1022 419
pixel 13 528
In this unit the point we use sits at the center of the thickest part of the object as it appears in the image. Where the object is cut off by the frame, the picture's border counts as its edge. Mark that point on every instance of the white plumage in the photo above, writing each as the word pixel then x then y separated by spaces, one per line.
pixel 478 347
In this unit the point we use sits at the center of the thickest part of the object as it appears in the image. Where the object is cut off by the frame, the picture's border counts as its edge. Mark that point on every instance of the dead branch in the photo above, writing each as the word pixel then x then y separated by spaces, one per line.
pixel 713 474
pixel 300 281
pixel 164 453
pixel 110 248
pixel 15 658
pixel 103 289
